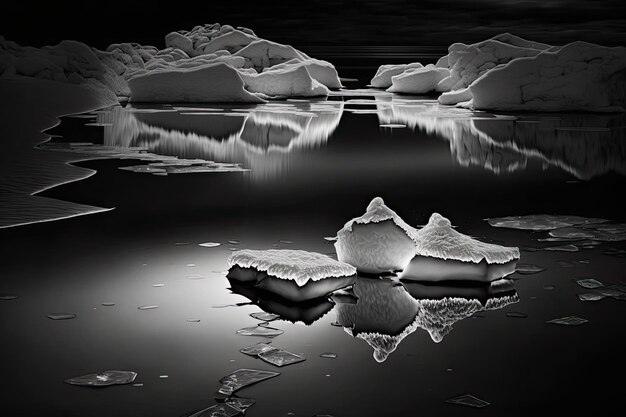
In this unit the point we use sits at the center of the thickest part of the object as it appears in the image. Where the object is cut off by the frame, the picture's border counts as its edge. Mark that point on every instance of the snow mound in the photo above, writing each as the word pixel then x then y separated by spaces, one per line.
pixel 378 241
pixel 383 76
pixel 419 80
pixel 294 265
pixel 290 81
pixel 439 240
pixel 208 83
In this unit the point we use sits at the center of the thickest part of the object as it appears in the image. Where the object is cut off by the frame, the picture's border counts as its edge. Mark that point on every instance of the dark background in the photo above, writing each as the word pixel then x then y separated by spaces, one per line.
pixel 321 22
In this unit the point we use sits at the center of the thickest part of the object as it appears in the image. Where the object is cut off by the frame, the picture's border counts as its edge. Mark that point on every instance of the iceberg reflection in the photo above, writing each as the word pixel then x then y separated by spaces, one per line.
pixel 386 311
pixel 584 145
pixel 267 139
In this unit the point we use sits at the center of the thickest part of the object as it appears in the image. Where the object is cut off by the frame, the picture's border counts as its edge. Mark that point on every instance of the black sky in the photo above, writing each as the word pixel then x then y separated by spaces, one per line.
pixel 318 22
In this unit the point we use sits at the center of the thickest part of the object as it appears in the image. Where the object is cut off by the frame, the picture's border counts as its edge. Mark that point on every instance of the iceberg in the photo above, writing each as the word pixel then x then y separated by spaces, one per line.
pixel 208 83
pixel 376 242
pixel 295 275
pixel 444 254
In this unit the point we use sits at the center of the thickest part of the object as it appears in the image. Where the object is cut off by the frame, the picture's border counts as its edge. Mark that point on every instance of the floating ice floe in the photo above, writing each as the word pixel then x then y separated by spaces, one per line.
pixel 589 283
pixel 442 254
pixel 295 275
pixel 378 241
pixel 568 321
pixel 103 379
pixel 542 221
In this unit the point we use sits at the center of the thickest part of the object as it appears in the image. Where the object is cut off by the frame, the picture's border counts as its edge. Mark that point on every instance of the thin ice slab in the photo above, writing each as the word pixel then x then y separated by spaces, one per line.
pixel 468 400
pixel 103 379
pixel 280 357
pixel 242 378
pixel 541 221
pixel 262 331
pixel 563 248
pixel 591 296
pixel 589 283
pixel 568 321
pixel 257 349
pixel 528 269
pixel 61 316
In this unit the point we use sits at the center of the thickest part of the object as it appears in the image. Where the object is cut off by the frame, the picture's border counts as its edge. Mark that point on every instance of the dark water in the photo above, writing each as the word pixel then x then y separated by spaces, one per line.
pixel 297 171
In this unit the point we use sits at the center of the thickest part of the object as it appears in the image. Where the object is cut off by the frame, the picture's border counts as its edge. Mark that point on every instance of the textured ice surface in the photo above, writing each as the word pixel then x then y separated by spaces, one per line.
pixel 439 240
pixel 468 400
pixel 589 283
pixel 263 331
pixel 528 269
pixel 296 265
pixel 103 379
pixel 242 378
pixel 280 357
pixel 541 221
pixel 568 321
pixel 378 241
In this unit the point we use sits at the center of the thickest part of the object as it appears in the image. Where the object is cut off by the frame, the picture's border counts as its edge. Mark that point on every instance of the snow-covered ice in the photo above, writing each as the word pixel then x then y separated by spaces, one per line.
pixel 378 241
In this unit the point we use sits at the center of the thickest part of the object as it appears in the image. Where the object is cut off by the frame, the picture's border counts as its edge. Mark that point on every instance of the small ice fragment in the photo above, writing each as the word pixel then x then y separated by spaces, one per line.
pixel 219 410
pixel 103 379
pixel 549 287
pixel 568 321
pixel 590 296
pixel 256 349
pixel 280 357
pixel 190 265
pixel 263 316
pixel 262 331
pixel 234 242
pixel 164 376
pixel 138 385
pixel 209 244
pixel 193 320
pixel 589 283
pixel 244 377
pixel 393 125
pixel 158 285
pixel 6 297
pixel 328 355
pixel 149 307
pixel 330 238
pixel 563 248
pixel 61 316
pixel 528 269
pixel 468 400
pixel 516 315
pixel 108 304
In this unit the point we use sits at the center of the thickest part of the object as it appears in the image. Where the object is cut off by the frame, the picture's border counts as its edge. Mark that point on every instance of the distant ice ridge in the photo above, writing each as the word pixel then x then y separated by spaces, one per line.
pixel 260 68
pixel 508 73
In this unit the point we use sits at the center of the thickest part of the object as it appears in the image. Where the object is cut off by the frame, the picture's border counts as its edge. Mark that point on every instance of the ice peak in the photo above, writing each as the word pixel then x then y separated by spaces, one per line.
pixel 438 220
pixel 376 203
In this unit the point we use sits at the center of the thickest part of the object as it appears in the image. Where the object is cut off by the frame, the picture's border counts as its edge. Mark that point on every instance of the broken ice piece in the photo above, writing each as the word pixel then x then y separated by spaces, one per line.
pixel 241 403
pixel 589 283
pixel 263 316
pixel 528 269
pixel 209 244
pixel 443 254
pixel 149 307
pixel 468 400
pixel 568 321
pixel 219 410
pixel 328 355
pixel 516 315
pixel 280 357
pixel 590 296
pixel 244 377
pixel 262 331
pixel 295 275
pixel 378 241
pixel 103 379
pixel 563 248
pixel 6 297
pixel 61 316
pixel 256 349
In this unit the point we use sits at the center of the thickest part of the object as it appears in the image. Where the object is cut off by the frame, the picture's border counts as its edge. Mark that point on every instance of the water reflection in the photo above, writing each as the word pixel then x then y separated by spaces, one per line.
pixel 584 145
pixel 267 139
pixel 385 311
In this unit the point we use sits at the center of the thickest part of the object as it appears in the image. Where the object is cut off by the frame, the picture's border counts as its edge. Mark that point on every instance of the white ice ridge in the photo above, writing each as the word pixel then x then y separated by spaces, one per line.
pixel 295 265
pixel 378 241
pixel 439 240
pixel 110 71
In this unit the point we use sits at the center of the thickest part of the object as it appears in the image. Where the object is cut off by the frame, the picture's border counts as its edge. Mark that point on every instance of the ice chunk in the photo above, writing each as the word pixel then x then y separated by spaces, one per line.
pixel 293 274
pixel 442 253
pixel 61 316
pixel 541 221
pixel 263 331
pixel 378 241
pixel 242 378
pixel 321 71
pixel 287 81
pixel 382 79
pixel 568 321
pixel 418 81
pixel 589 283
pixel 528 269
pixel 263 53
pixel 215 82
pixel 103 379
pixel 280 357
pixel 468 400
pixel 263 316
